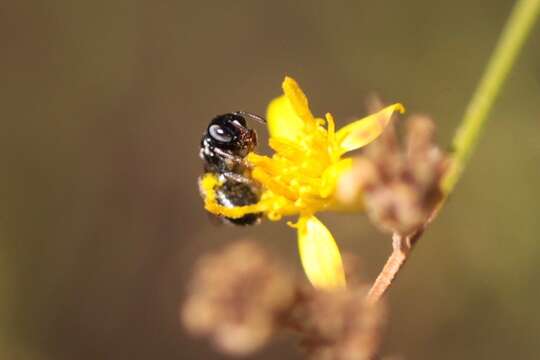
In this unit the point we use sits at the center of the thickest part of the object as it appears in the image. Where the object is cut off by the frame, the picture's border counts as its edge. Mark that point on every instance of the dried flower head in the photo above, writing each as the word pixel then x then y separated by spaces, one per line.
pixel 399 187
pixel 343 326
pixel 302 175
pixel 236 297
pixel 239 297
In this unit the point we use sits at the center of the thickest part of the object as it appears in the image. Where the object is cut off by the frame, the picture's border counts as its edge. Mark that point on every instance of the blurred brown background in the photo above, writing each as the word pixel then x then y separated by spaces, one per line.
pixel 103 106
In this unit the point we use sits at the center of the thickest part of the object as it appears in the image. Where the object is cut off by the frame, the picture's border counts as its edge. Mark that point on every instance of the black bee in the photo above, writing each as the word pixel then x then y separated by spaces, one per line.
pixel 224 146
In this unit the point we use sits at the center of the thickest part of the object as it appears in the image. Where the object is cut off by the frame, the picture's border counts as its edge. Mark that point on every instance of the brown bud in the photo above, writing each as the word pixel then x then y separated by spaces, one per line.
pixel 399 187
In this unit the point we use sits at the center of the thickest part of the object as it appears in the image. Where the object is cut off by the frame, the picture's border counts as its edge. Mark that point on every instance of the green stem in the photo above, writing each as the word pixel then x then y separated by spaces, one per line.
pixel 508 48
pixel 503 58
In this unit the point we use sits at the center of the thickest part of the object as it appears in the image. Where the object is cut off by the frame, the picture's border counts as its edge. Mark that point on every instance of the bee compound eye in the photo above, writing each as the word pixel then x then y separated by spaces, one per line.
pixel 220 134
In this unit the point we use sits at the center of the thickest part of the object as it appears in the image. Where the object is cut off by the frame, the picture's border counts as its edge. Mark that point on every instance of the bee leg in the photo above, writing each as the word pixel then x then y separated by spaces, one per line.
pixel 237 178
pixel 236 159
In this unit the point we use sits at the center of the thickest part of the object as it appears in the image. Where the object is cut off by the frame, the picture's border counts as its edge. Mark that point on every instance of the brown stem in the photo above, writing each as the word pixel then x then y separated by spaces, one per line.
pixel 396 260
pixel 402 247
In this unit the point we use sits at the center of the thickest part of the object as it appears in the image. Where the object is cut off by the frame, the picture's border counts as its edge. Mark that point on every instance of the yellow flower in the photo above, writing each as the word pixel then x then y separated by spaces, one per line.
pixel 301 176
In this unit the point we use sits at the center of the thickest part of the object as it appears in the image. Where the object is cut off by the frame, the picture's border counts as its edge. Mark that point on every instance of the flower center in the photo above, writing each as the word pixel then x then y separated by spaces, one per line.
pixel 296 172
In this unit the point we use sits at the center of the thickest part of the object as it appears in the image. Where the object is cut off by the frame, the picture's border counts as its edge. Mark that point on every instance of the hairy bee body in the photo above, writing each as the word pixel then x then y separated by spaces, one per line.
pixel 224 146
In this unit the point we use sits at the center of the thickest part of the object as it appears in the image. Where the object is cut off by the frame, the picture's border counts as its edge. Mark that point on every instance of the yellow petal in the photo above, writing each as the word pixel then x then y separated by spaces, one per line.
pixel 363 131
pixel 331 176
pixel 297 98
pixel 289 114
pixel 282 121
pixel 319 254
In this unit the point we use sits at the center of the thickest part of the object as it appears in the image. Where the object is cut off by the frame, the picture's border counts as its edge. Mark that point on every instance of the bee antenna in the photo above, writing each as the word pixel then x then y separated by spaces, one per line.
pixel 253 116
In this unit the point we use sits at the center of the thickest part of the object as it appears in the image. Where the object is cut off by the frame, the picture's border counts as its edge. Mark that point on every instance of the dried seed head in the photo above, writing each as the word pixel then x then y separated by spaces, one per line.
pixel 236 297
pixel 399 188
pixel 239 297
pixel 426 161
pixel 342 326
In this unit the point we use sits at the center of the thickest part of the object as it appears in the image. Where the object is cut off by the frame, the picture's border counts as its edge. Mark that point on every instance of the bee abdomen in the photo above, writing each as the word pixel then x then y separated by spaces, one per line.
pixel 233 194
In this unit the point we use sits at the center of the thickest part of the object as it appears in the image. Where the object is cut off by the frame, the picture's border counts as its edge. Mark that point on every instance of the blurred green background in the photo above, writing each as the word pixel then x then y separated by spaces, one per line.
pixel 103 107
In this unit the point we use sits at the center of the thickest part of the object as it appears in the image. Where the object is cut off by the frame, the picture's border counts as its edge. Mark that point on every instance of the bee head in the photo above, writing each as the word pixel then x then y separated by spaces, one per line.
pixel 230 132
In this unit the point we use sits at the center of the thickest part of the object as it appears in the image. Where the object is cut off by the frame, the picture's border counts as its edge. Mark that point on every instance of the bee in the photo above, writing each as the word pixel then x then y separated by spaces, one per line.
pixel 224 146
